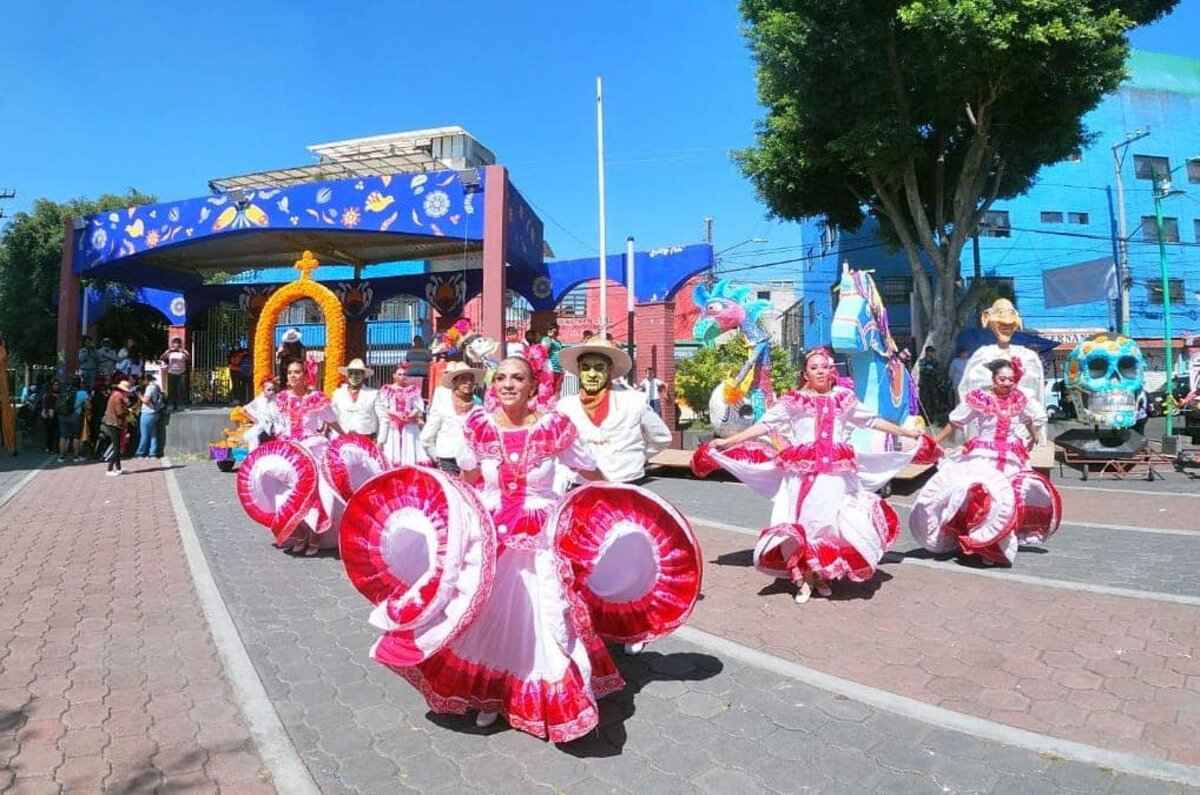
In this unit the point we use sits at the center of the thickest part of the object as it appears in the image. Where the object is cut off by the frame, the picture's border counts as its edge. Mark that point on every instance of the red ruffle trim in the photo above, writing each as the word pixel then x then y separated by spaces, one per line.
pixel 302 498
pixel 703 464
pixel 559 711
pixel 581 538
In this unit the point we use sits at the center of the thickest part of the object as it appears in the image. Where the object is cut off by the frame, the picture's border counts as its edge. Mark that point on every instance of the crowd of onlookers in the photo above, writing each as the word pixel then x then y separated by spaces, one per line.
pixel 112 406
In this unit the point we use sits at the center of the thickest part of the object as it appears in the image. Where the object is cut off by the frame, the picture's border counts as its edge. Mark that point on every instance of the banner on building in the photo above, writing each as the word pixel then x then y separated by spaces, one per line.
pixel 1081 283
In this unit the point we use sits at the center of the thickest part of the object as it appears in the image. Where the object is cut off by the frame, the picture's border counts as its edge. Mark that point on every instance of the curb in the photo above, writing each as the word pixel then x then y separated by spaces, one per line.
pixel 24 481
pixel 1119 761
pixel 288 771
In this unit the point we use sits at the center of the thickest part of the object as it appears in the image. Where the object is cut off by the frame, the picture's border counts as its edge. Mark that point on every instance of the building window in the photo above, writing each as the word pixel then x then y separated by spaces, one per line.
pixel 1151 167
pixel 1051 217
pixel 812 311
pixel 894 290
pixel 1154 291
pixel 574 303
pixel 995 224
pixel 1077 218
pixel 1150 229
pixel 764 295
pixel 1196 229
pixel 1194 169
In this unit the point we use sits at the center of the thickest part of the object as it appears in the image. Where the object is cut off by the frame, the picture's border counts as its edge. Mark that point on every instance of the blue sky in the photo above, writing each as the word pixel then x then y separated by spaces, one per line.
pixel 163 97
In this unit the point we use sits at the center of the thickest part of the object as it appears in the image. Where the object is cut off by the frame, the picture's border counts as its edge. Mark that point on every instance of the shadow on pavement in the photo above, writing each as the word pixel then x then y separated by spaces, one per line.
pixel 743 557
pixel 608 739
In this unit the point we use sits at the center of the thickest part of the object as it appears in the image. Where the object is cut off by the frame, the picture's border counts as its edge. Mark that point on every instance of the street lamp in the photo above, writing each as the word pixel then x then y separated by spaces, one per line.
pixel 747 241
pixel 1163 190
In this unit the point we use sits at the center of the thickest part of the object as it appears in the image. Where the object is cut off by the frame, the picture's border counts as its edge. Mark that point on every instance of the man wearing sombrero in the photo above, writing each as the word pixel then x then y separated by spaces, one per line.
pixel 618 426
pixel 355 403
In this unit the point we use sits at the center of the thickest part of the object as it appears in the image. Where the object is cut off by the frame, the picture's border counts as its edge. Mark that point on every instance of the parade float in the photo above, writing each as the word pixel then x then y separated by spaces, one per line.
pixel 1105 377
pixel 861 334
pixel 743 396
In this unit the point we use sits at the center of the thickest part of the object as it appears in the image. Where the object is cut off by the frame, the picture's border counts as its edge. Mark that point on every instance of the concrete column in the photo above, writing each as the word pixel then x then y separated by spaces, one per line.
pixel 69 290
pixel 655 323
pixel 495 255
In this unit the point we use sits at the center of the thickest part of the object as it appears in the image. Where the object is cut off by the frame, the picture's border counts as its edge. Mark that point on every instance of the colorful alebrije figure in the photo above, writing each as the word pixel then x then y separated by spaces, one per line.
pixel 741 399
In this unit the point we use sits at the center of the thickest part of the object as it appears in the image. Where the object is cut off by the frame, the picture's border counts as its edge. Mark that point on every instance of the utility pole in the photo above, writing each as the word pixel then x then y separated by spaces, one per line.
pixel 630 301
pixel 1162 190
pixel 1123 280
pixel 708 226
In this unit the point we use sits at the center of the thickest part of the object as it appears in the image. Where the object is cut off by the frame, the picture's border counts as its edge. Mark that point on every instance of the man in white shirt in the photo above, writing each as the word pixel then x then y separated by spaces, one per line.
pixel 653 387
pixel 355 403
pixel 618 426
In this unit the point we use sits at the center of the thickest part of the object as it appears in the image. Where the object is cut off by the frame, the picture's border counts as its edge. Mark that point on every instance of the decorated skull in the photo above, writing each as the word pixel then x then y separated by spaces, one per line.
pixel 1105 375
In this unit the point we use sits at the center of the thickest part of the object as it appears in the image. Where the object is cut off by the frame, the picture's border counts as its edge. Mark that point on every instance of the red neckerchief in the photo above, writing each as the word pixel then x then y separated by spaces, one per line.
pixel 596 408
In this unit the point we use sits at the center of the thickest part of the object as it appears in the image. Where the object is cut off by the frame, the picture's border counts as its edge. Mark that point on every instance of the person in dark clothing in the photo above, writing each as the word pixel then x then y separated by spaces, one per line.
pixel 290 349
pixel 113 424
pixel 49 415
pixel 932 387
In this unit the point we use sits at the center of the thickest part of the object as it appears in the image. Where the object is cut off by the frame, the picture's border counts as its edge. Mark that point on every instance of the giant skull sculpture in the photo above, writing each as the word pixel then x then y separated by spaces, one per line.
pixel 1105 375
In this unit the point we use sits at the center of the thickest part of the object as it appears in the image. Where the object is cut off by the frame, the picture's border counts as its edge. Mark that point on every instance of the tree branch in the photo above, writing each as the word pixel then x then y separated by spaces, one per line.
pixel 891 208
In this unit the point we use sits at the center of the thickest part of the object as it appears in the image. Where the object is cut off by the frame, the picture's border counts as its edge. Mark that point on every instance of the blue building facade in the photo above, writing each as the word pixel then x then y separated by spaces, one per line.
pixel 1068 217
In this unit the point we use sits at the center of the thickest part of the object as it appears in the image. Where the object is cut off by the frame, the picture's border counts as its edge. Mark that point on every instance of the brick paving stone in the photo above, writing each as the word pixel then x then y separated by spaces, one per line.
pixel 1028 673
pixel 647 743
pixel 109 637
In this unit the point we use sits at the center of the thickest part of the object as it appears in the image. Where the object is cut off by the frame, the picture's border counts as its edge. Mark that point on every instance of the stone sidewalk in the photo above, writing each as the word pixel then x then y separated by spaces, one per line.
pixel 109 680
pixel 1108 671
pixel 689 720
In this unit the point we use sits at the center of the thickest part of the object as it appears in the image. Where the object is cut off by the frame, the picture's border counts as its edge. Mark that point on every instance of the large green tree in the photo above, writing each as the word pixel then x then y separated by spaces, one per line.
pixel 30 258
pixel 924 113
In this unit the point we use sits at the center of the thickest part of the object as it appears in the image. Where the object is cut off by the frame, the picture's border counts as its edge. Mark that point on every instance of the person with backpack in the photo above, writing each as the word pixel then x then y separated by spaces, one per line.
pixel 69 412
pixel 153 403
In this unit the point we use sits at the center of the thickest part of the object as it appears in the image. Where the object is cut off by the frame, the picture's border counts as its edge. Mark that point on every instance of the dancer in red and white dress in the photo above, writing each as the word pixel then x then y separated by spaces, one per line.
pixel 401 409
pixel 500 598
pixel 298 483
pixel 987 500
pixel 826 523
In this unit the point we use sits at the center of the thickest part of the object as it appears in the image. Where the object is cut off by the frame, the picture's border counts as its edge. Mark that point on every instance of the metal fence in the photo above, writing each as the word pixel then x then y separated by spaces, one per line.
pixel 223 330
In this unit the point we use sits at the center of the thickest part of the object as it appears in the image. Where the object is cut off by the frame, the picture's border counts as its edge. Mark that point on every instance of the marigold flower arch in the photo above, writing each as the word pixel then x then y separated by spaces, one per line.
pixel 331 309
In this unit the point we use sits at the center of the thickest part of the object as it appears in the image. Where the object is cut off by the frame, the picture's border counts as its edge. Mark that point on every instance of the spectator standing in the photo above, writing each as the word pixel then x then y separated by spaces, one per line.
pixel 69 412
pixel 932 386
pixel 513 344
pixel 553 349
pixel 106 358
pixel 291 349
pixel 653 388
pixel 49 415
pixel 178 363
pixel 89 362
pixel 417 358
pixel 152 405
pixel 115 413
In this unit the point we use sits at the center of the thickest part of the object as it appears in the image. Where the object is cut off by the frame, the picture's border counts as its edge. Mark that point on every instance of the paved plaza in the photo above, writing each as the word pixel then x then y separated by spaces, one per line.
pixel 1076 671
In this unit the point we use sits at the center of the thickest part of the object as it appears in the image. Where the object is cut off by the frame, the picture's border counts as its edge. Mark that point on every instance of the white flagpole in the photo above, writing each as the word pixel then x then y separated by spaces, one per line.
pixel 600 174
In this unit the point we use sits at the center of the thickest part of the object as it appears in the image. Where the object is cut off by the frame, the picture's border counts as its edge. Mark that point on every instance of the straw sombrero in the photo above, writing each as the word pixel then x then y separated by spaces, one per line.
pixel 356 364
pixel 621 363
pixel 455 369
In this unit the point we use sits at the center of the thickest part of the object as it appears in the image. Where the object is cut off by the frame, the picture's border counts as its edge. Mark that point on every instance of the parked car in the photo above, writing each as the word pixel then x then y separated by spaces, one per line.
pixel 1158 398
pixel 1058 403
